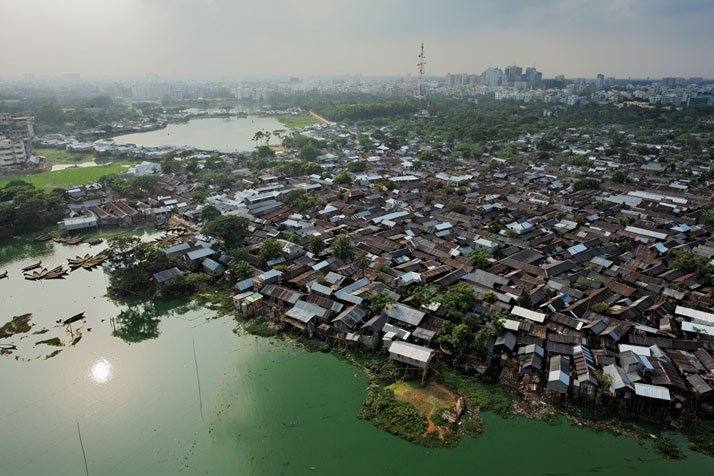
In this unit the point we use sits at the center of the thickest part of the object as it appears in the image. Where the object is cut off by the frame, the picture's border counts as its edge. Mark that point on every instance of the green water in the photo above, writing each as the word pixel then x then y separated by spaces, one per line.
pixel 266 407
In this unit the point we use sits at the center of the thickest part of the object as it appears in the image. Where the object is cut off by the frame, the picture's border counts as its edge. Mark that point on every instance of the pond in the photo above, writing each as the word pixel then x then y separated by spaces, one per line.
pixel 229 134
pixel 265 406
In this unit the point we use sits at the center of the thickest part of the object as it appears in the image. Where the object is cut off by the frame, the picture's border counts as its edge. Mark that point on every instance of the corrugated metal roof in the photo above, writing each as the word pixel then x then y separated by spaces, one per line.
pixel 403 313
pixel 697 316
pixel 652 391
pixel 411 351
pixel 528 314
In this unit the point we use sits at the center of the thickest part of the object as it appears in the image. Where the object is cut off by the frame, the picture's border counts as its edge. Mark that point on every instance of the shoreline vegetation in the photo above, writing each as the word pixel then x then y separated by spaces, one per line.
pixel 384 409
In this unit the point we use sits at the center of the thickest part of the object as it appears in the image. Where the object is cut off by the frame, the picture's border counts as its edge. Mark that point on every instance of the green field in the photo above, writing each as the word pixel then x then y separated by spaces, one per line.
pixel 297 122
pixel 68 177
pixel 59 156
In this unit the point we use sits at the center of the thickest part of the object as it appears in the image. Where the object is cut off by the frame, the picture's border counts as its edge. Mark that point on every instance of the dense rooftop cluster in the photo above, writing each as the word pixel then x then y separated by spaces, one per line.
pixel 571 268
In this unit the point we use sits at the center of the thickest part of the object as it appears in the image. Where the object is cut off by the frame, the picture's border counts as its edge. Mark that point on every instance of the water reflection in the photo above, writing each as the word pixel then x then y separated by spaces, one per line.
pixel 141 322
pixel 136 325
pixel 101 371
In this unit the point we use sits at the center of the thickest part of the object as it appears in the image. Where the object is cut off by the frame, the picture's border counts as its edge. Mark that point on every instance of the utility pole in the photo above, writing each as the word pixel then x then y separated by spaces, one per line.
pixel 420 69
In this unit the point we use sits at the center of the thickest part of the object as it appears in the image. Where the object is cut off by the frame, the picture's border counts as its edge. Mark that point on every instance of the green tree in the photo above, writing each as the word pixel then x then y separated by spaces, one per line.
pixel 456 340
pixel 270 249
pixel 209 212
pixel 343 178
pixel 240 269
pixel 315 244
pixel 378 301
pixel 586 184
pixel 458 300
pixel 229 228
pixel 342 247
pixel 480 258
pixel 308 153
pixel 620 176
pixel 357 166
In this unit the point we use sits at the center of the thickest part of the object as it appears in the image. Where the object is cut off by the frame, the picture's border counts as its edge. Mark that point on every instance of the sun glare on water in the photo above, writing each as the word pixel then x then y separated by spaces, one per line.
pixel 101 371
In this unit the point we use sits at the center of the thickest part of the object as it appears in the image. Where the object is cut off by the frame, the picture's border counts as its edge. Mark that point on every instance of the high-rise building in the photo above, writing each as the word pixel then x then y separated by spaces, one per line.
pixel 600 82
pixel 492 77
pixel 513 73
pixel 533 76
pixel 16 133
pixel 12 152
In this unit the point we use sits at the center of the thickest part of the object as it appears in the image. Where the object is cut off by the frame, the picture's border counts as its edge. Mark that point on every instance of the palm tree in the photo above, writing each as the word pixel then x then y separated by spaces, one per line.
pixel 258 136
pixel 362 262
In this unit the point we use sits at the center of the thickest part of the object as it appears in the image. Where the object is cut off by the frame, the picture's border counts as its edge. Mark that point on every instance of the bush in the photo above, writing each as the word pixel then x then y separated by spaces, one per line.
pixel 668 448
pixel 398 418
pixel 378 301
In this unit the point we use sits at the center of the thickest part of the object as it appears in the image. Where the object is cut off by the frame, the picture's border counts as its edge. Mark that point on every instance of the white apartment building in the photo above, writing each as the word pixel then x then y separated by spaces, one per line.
pixel 12 152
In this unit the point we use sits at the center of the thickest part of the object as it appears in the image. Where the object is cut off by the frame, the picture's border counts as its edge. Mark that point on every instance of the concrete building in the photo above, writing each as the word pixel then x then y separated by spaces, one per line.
pixel 16 133
pixel 12 152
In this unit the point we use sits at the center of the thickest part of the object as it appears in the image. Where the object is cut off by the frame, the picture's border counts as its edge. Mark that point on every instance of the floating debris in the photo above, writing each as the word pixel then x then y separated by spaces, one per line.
pixel 18 325
pixel 54 341
pixel 3 275
pixel 54 273
pixel 95 242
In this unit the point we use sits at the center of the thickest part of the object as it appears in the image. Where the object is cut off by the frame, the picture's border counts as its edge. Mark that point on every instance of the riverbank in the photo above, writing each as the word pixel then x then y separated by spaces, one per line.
pixel 401 417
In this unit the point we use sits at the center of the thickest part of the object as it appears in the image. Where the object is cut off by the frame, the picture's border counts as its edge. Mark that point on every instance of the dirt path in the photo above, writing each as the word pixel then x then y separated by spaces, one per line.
pixel 319 117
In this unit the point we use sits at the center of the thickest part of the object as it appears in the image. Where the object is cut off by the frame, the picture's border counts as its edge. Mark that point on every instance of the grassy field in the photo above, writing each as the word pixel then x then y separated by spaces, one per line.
pixel 58 156
pixel 68 177
pixel 297 122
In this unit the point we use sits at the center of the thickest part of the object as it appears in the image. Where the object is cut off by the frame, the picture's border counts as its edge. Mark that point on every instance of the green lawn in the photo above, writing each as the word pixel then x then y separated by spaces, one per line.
pixel 297 122
pixel 59 156
pixel 68 177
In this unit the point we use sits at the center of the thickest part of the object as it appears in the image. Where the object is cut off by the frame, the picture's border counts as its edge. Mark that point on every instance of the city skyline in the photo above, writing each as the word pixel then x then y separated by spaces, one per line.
pixel 221 39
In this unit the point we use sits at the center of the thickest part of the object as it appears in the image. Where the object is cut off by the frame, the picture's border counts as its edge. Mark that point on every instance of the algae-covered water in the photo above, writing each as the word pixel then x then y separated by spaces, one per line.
pixel 265 407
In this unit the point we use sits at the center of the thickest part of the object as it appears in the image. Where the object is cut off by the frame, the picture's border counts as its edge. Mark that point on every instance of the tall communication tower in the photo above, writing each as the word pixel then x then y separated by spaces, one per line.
pixel 420 69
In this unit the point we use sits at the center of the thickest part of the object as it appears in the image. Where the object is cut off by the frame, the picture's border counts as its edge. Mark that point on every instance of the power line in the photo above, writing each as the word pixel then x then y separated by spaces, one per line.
pixel 84 455
pixel 198 379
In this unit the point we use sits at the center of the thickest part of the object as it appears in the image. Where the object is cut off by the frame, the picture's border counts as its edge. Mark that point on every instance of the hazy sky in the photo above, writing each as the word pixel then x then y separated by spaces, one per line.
pixel 234 38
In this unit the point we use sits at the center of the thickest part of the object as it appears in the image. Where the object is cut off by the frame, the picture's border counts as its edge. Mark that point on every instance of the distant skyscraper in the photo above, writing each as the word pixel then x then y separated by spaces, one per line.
pixel 492 77
pixel 600 82
pixel 513 73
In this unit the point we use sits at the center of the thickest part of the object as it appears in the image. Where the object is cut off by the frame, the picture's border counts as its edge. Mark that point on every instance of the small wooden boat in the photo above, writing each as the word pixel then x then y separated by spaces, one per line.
pixel 54 273
pixel 68 240
pixel 32 266
pixel 75 318
pixel 43 237
pixel 87 261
